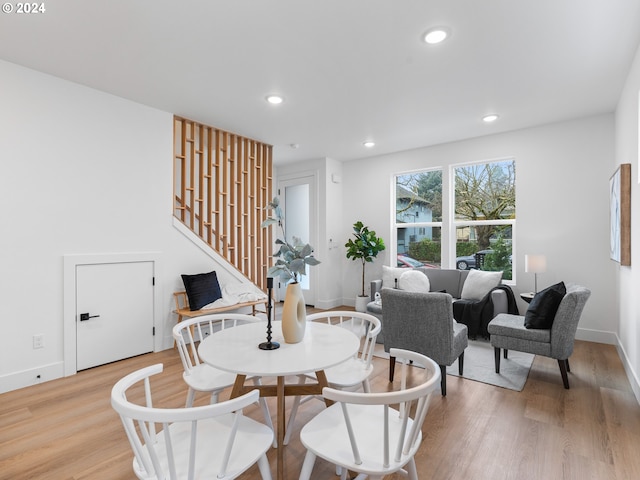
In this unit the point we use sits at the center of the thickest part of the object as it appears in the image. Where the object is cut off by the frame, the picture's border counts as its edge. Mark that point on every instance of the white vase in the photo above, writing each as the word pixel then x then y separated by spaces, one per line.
pixel 294 314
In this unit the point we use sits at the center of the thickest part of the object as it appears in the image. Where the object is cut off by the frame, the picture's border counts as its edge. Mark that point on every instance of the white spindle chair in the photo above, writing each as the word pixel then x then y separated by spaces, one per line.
pixel 354 372
pixel 199 376
pixel 361 432
pixel 212 441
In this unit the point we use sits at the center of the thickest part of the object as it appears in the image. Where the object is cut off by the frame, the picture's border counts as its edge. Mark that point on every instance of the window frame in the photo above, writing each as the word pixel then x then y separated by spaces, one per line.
pixel 449 224
pixel 418 225
pixel 454 223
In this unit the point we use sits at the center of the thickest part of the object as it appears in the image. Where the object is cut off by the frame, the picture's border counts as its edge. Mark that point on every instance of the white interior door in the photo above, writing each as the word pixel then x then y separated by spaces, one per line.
pixel 297 197
pixel 114 312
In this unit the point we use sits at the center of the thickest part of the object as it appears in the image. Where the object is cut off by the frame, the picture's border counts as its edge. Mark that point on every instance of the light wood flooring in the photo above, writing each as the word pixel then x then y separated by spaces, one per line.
pixel 65 429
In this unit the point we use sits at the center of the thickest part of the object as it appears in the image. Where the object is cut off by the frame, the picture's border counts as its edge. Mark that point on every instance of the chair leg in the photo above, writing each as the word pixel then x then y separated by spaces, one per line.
pixel 366 386
pixel 461 364
pixel 294 411
pixel 392 367
pixel 568 367
pixel 412 472
pixel 307 466
pixel 563 372
pixel 265 409
pixel 190 396
pixel 496 352
pixel 506 353
pixel 443 380
pixel 264 467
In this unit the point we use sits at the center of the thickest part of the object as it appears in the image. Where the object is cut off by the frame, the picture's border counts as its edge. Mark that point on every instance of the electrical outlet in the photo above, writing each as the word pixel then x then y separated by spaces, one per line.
pixel 38 341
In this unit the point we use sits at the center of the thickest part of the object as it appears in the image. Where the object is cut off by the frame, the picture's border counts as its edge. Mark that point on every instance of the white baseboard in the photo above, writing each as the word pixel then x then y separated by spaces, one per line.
pixel 26 378
pixel 330 303
pixel 597 336
pixel 628 368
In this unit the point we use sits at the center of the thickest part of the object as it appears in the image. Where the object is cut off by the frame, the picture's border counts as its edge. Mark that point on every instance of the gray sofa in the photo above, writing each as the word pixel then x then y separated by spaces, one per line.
pixel 441 280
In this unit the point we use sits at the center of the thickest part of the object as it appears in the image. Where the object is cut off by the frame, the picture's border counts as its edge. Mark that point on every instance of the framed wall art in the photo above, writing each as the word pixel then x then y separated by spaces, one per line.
pixel 620 211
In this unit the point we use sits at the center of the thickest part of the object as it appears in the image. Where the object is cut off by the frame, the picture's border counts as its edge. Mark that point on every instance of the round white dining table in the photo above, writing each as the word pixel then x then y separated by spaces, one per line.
pixel 236 350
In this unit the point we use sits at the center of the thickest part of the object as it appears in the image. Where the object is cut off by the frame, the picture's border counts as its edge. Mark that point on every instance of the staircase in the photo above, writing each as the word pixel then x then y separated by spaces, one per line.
pixel 222 184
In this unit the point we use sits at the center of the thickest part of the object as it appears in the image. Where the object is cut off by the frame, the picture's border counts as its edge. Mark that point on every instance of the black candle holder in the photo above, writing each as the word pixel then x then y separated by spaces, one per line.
pixel 269 345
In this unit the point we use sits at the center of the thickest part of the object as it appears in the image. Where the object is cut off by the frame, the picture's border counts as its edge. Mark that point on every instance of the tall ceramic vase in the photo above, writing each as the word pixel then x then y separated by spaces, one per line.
pixel 294 314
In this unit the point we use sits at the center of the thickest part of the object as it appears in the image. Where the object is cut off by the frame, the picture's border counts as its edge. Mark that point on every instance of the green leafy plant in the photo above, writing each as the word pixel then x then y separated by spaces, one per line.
pixel 292 257
pixel 365 247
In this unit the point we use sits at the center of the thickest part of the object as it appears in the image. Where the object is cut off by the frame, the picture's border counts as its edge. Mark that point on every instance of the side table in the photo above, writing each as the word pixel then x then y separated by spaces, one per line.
pixel 527 297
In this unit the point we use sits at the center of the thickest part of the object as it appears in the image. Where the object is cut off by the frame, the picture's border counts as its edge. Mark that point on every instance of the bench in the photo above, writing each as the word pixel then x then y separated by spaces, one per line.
pixel 182 307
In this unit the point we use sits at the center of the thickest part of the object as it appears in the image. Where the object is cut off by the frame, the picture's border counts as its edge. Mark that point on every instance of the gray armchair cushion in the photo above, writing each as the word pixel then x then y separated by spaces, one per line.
pixel 422 322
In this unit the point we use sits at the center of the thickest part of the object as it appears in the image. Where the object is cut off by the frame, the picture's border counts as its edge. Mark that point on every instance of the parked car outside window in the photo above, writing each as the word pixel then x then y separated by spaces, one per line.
pixel 405 261
pixel 468 262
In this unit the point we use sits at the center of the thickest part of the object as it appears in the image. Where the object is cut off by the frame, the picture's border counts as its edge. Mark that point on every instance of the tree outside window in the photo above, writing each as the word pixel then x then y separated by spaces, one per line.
pixel 484 215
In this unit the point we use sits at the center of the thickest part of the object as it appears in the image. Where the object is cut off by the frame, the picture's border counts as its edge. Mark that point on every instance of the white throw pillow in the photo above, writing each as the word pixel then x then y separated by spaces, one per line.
pixel 414 281
pixel 390 274
pixel 479 283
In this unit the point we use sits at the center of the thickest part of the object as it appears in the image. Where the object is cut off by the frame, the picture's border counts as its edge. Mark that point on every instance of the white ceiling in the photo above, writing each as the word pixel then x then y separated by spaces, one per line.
pixel 350 70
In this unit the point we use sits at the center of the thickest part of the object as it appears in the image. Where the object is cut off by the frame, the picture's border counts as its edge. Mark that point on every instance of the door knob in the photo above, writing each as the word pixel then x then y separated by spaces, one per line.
pixel 86 316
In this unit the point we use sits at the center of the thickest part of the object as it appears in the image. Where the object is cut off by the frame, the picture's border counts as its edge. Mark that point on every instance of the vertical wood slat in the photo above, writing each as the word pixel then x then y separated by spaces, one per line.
pixel 222 184
pixel 199 195
pixel 209 191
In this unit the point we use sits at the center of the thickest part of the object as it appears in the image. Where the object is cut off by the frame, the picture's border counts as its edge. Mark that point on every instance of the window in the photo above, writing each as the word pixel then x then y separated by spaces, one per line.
pixel 418 218
pixel 481 225
pixel 485 215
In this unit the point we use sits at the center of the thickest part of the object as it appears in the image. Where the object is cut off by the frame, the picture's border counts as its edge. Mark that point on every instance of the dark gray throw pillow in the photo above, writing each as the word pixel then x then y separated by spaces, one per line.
pixel 543 307
pixel 202 289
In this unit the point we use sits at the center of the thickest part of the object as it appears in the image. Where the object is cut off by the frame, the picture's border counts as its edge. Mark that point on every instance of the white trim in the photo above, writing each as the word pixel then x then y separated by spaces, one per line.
pixel 632 375
pixel 69 300
pixel 25 378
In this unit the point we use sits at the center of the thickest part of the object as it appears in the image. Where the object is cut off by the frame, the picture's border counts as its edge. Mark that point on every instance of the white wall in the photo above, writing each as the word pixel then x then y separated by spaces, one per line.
pixel 627 151
pixel 562 178
pixel 82 172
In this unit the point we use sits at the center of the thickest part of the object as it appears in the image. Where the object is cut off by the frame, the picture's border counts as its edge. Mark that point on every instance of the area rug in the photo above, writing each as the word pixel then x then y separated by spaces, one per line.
pixel 479 365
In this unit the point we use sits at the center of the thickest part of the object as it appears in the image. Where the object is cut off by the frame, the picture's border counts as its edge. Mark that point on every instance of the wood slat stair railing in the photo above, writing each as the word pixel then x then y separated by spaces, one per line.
pixel 222 185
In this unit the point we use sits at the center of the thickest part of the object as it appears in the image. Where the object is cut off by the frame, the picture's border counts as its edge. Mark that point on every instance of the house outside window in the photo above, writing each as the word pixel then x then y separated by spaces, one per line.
pixel 418 218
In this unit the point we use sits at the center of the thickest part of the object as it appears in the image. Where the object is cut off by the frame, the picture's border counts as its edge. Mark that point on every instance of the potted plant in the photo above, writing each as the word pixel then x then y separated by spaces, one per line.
pixel 292 259
pixel 365 247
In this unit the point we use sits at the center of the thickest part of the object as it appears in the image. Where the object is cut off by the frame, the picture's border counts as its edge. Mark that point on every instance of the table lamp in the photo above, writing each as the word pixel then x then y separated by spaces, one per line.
pixel 535 264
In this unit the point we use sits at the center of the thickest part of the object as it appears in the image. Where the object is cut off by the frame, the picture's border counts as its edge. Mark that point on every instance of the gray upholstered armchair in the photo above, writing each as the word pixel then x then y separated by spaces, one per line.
pixel 508 332
pixel 423 323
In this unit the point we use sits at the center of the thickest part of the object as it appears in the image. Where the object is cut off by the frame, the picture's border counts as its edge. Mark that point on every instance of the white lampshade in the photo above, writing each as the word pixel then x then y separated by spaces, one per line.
pixel 535 263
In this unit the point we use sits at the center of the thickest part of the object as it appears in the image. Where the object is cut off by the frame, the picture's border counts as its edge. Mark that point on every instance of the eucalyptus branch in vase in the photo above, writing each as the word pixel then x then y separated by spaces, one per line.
pixel 292 257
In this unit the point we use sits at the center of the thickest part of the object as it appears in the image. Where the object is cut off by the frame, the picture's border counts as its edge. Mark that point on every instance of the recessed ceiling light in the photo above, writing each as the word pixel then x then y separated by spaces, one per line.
pixel 436 35
pixel 490 118
pixel 275 99
pixel 369 144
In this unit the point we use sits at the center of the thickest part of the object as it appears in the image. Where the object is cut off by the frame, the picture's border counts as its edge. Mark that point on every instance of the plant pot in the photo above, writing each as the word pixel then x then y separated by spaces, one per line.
pixel 361 303
pixel 294 314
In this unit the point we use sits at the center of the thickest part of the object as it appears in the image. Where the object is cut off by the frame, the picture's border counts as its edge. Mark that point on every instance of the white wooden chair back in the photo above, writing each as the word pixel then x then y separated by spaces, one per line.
pixel 181 443
pixel 364 325
pixel 363 432
pixel 188 332
pixel 406 398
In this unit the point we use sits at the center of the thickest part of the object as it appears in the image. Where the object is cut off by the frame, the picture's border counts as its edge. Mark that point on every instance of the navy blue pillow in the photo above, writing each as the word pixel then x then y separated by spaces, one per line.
pixel 202 289
pixel 543 307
